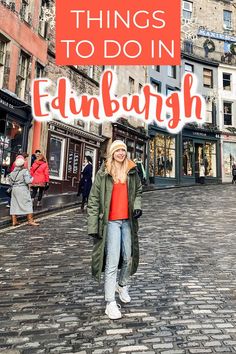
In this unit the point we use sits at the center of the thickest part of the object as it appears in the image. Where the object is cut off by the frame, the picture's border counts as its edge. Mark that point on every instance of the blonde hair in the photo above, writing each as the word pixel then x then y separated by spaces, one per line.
pixel 41 157
pixel 118 175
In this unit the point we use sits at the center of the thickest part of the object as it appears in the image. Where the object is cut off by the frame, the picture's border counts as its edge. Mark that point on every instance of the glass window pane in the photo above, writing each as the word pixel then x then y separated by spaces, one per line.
pixel 210 159
pixel 188 157
pixel 55 159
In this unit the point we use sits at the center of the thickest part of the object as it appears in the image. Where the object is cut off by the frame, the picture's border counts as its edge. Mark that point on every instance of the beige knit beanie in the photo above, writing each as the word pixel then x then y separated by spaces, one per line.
pixel 116 145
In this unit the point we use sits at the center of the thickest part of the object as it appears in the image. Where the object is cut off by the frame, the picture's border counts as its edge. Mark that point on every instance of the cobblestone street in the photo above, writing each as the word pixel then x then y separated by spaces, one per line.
pixel 183 295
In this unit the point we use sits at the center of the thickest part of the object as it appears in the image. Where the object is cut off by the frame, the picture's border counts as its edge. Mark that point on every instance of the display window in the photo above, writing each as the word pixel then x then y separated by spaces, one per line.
pixel 56 157
pixel 11 138
pixel 229 157
pixel 188 157
pixel 92 153
pixel 162 156
pixel 195 153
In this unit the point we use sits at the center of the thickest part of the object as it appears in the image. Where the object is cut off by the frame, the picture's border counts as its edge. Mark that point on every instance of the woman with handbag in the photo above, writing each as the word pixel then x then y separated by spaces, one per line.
pixel 40 173
pixel 113 209
pixel 21 203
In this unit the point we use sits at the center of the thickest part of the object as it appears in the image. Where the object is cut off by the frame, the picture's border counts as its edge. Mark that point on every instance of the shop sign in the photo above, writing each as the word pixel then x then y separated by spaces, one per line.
pixel 216 35
pixel 199 134
pixel 6 104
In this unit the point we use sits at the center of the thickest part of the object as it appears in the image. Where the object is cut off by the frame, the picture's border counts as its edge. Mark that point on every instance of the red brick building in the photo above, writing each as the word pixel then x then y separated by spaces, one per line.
pixel 23 54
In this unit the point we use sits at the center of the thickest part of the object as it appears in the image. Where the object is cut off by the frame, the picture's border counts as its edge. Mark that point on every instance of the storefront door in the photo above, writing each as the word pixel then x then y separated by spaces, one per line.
pixel 73 165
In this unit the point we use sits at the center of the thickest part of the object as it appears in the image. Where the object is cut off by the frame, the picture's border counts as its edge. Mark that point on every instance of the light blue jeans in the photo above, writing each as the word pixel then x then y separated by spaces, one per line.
pixel 118 241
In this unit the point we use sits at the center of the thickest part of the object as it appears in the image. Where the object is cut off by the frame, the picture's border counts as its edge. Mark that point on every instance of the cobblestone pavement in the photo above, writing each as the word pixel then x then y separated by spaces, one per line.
pixel 183 295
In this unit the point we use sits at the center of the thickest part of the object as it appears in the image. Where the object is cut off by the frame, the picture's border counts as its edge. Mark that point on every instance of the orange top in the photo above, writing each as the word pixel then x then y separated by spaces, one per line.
pixel 119 202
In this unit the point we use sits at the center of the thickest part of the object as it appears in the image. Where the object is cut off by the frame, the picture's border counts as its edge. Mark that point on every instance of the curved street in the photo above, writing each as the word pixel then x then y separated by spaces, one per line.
pixel 183 295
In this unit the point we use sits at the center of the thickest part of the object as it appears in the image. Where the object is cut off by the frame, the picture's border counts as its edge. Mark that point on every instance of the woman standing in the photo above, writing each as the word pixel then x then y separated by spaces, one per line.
pixel 113 209
pixel 40 173
pixel 21 203
pixel 86 180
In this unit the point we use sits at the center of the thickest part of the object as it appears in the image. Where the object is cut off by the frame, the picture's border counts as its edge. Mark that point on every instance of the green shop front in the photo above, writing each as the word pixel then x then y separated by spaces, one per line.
pixel 176 159
pixel 200 146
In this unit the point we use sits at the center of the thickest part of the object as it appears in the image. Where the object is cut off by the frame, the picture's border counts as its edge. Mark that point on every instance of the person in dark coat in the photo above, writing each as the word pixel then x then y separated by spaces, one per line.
pixel 86 181
pixel 234 173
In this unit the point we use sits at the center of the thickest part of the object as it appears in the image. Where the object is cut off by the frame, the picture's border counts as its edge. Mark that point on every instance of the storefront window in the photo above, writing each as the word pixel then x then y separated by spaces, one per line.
pixel 210 159
pixel 162 153
pixel 187 157
pixel 92 153
pixel 229 157
pixel 56 157
pixel 11 137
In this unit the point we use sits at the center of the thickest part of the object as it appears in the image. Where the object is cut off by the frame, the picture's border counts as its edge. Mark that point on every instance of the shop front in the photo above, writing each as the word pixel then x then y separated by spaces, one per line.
pixel 15 122
pixel 200 147
pixel 67 148
pixel 228 156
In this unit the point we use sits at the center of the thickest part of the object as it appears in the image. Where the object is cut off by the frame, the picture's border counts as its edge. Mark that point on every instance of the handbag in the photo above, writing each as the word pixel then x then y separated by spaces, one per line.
pixel 9 190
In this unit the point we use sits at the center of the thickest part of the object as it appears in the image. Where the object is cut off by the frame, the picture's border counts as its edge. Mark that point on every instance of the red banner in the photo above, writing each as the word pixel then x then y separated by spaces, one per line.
pixel 118 32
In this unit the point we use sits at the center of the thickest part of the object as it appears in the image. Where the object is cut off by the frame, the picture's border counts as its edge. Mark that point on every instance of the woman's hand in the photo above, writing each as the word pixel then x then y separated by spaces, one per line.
pixel 137 213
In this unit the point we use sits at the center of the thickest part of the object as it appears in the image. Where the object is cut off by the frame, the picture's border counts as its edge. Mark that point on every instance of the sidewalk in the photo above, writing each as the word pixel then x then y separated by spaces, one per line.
pixel 51 203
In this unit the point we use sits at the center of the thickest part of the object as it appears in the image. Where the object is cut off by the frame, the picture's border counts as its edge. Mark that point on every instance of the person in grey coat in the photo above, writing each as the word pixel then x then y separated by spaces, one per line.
pixel 21 203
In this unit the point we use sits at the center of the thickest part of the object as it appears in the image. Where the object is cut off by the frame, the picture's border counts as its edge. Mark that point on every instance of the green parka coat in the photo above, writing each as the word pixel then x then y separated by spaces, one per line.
pixel 98 213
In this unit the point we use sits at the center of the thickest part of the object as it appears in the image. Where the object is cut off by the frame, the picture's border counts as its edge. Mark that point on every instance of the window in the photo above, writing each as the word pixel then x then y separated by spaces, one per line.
pixel 188 47
pixel 3 50
pixel 171 70
pixel 187 9
pixel 229 157
pixel 227 17
pixel 56 157
pixel 156 67
pixel 21 80
pixel 156 85
pixel 91 71
pixel 25 13
pixel 227 113
pixel 131 85
pixel 39 70
pixel 43 25
pixel 189 68
pixel 210 159
pixel 207 78
pixel 11 138
pixel 188 150
pixel 140 86
pixel 162 156
pixel 209 111
pixel 227 81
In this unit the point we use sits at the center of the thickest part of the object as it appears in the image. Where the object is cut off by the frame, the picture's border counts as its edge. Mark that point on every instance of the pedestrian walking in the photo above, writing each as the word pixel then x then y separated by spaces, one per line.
pixel 113 209
pixel 25 156
pixel 86 180
pixel 234 173
pixel 40 173
pixel 21 203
